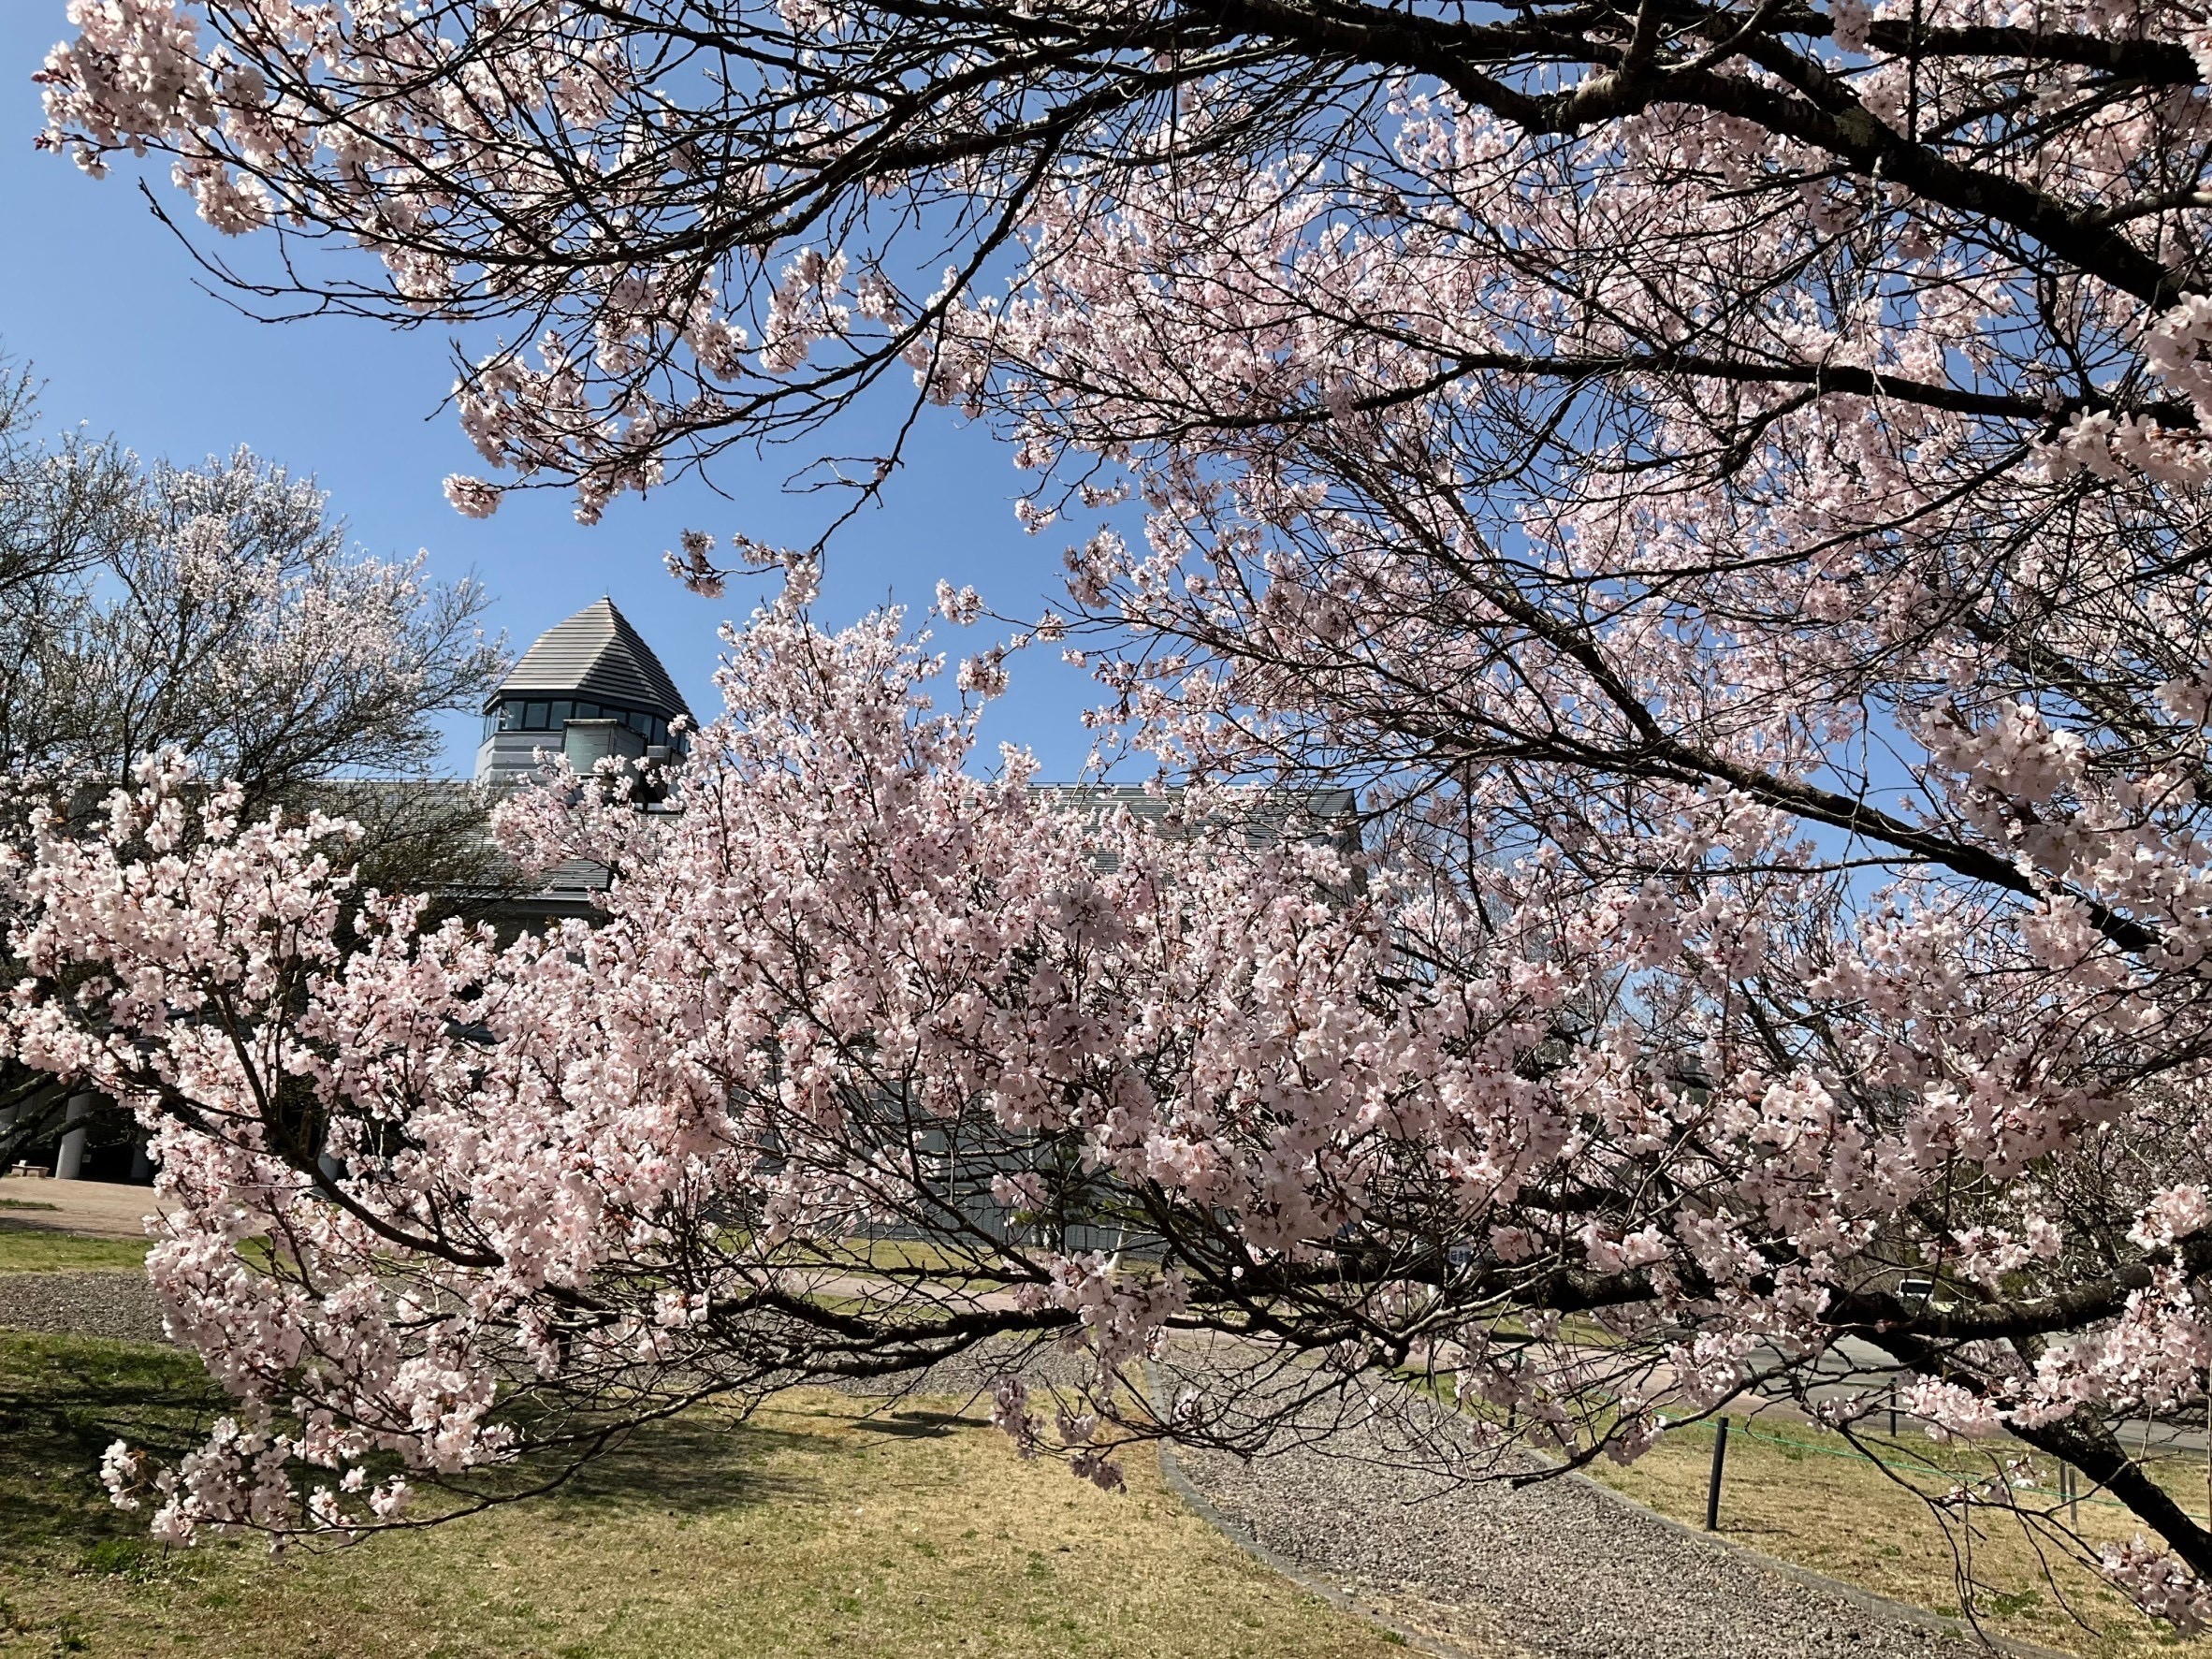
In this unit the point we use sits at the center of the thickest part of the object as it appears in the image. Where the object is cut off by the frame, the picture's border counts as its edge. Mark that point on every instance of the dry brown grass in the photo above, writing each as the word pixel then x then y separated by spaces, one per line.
pixel 811 1531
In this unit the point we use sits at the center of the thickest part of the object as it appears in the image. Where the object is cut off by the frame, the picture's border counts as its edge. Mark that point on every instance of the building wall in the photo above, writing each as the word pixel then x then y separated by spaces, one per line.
pixel 512 756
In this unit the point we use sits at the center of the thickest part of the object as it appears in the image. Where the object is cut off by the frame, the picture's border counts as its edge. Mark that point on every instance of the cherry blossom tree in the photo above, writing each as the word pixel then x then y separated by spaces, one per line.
pixel 506 1202
pixel 1725 485
pixel 221 612
pixel 714 213
pixel 523 1197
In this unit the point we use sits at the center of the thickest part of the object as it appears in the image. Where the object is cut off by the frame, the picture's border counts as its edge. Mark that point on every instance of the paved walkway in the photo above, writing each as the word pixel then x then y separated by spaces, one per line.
pixel 97 1209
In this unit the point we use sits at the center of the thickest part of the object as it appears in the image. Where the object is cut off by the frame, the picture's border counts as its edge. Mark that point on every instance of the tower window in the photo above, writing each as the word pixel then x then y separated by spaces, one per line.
pixel 552 714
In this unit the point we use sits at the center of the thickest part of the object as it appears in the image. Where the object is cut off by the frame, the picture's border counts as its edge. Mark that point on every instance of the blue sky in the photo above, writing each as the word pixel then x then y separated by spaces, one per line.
pixel 101 300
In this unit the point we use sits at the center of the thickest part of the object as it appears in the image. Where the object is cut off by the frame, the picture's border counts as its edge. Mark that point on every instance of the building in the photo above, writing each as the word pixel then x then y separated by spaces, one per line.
pixel 590 687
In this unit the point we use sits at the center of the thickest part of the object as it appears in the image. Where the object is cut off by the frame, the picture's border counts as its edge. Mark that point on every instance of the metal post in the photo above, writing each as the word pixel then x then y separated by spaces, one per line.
pixel 2070 1494
pixel 1893 1408
pixel 68 1164
pixel 1713 1491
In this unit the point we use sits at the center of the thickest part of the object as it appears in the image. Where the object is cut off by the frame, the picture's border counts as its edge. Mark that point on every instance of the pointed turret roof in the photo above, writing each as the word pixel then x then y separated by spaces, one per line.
pixel 596 654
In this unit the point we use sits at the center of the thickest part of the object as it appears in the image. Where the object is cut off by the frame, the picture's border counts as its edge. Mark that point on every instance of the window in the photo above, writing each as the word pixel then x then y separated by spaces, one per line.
pixel 552 714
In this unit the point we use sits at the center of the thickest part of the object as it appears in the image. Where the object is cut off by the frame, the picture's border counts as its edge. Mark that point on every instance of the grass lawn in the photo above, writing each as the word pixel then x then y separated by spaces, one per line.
pixel 813 1530
pixel 808 1531
pixel 1841 1517
pixel 39 1250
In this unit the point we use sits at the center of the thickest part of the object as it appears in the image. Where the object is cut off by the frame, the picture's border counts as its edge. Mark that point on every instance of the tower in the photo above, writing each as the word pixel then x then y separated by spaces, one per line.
pixel 589 687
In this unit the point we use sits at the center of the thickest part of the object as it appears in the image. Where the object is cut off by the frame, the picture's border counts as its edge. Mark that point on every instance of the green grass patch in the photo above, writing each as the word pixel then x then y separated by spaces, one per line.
pixel 811 1531
pixel 9 1203
pixel 41 1250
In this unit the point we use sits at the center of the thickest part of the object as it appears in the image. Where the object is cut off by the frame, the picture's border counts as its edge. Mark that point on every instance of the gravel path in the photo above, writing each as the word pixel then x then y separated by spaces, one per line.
pixel 1558 1570
pixel 117 1306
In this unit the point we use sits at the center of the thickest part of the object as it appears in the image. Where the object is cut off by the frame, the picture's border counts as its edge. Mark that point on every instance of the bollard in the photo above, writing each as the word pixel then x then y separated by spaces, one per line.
pixel 1713 1491
pixel 2070 1491
pixel 1893 1409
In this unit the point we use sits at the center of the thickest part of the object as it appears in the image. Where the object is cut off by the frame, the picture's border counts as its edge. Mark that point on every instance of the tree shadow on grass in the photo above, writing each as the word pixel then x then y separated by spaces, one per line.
pixel 919 1425
pixel 698 1464
pixel 64 1401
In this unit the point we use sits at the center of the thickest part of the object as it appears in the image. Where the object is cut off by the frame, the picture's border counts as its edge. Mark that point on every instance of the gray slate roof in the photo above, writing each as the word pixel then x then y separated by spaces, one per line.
pixel 597 655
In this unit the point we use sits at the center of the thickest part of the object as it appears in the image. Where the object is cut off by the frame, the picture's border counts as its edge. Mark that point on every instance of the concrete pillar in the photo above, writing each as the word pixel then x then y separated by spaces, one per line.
pixel 141 1163
pixel 68 1163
